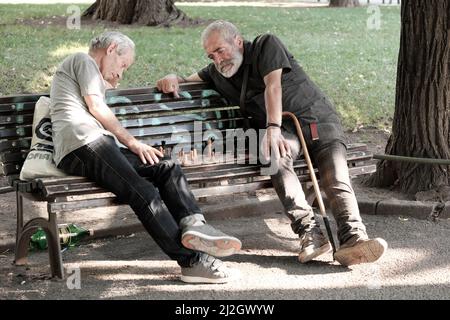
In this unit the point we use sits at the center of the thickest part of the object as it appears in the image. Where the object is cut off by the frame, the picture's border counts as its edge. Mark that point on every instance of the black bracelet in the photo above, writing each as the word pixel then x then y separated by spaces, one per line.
pixel 272 124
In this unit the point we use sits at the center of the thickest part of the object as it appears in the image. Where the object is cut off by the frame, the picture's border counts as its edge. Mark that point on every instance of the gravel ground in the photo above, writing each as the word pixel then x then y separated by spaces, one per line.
pixel 416 266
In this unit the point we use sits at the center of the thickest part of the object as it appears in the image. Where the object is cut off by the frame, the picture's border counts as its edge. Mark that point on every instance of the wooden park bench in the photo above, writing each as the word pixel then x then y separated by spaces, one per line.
pixel 154 118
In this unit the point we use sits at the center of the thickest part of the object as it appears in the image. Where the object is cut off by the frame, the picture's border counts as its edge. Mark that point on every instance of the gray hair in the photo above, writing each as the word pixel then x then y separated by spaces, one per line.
pixel 104 40
pixel 226 30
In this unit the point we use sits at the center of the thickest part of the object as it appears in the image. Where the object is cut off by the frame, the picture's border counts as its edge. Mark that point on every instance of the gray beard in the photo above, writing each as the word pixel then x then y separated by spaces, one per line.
pixel 237 62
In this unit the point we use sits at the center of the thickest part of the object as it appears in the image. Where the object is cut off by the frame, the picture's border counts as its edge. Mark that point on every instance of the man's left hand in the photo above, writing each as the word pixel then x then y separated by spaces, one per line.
pixel 273 141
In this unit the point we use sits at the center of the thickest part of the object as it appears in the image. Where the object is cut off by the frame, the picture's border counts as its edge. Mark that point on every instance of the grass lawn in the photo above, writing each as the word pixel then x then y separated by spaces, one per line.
pixel 355 66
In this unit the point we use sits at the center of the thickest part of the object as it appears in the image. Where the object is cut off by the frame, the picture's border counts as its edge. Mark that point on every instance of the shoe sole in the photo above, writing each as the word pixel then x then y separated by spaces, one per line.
pixel 364 252
pixel 214 246
pixel 322 250
pixel 190 279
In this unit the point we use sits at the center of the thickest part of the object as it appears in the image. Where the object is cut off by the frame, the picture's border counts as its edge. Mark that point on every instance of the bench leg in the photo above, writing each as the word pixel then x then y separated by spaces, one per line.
pixel 202 199
pixel 251 193
pixel 24 232
pixel 19 206
pixel 54 247
pixel 20 252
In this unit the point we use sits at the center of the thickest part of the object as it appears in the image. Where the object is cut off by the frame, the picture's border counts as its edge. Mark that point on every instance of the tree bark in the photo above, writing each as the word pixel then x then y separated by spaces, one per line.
pixel 143 12
pixel 344 3
pixel 421 119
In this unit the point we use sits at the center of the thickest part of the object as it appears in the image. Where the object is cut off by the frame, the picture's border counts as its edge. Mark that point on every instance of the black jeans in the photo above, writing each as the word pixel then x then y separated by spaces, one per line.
pixel 122 172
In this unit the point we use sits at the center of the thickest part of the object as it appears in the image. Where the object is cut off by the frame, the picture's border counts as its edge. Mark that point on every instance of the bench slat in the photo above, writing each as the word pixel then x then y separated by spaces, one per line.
pixel 193 86
pixel 22 98
pixel 14 145
pixel 16 119
pixel 234 170
pixel 67 206
pixel 10 168
pixel 18 107
pixel 24 131
pixel 15 157
pixel 155 108
pixel 185 118
pixel 356 152
pixel 158 97
pixel 201 175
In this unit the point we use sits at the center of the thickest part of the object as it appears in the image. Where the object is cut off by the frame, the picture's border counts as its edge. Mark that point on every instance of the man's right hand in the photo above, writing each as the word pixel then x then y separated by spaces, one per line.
pixel 169 84
pixel 146 153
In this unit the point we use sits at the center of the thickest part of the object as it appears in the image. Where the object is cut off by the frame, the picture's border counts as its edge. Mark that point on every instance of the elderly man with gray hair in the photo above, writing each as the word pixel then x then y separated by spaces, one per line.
pixel 265 80
pixel 86 135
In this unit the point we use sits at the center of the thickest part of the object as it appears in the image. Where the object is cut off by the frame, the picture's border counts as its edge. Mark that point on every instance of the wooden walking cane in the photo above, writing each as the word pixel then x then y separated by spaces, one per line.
pixel 313 177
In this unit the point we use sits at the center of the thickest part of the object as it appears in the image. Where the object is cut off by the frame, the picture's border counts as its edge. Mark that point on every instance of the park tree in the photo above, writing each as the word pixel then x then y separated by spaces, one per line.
pixel 344 3
pixel 143 12
pixel 421 119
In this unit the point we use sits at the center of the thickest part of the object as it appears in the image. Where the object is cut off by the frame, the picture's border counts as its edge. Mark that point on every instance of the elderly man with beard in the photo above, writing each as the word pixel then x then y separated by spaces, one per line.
pixel 271 81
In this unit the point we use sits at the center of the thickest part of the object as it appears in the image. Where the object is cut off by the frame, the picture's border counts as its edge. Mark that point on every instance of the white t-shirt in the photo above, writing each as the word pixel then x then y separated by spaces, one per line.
pixel 72 124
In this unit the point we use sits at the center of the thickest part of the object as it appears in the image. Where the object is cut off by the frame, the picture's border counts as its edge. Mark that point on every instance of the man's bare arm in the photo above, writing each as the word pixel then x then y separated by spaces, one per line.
pixel 273 139
pixel 101 112
pixel 273 96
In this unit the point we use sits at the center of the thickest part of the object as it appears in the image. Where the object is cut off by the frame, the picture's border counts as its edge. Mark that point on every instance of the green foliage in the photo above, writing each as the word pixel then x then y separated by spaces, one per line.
pixel 355 66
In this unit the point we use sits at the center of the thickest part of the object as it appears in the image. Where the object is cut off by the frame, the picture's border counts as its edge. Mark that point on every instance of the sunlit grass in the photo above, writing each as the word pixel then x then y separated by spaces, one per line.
pixel 354 66
pixel 68 49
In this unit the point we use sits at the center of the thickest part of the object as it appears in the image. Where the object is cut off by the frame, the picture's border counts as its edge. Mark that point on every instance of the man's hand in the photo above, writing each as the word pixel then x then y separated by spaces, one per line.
pixel 169 84
pixel 145 152
pixel 273 141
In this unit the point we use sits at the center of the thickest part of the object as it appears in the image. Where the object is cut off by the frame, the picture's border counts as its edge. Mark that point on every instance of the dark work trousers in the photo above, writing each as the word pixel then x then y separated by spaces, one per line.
pixel 331 160
pixel 122 172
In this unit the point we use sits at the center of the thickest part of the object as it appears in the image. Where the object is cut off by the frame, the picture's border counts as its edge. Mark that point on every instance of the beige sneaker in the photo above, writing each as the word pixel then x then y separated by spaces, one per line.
pixel 357 250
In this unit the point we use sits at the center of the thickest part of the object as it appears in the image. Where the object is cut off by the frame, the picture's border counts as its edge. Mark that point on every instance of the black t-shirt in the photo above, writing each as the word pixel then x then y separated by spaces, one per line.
pixel 299 94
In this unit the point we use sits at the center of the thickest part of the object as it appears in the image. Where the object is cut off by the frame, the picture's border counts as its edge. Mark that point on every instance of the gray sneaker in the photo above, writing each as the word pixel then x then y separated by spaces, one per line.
pixel 207 239
pixel 313 244
pixel 208 270
pixel 357 250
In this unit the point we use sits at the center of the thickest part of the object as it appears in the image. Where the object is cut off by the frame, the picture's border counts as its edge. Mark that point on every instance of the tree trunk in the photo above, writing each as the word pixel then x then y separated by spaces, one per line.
pixel 143 12
pixel 344 3
pixel 421 119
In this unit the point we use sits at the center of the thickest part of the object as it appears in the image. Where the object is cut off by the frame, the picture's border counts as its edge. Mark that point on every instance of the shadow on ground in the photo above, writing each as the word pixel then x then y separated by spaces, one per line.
pixel 415 267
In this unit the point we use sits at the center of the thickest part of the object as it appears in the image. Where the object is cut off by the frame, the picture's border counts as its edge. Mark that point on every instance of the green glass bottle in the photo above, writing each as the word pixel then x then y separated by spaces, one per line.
pixel 38 240
pixel 69 236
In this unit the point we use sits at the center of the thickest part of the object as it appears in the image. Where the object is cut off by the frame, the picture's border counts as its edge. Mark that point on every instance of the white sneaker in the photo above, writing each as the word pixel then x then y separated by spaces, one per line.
pixel 208 270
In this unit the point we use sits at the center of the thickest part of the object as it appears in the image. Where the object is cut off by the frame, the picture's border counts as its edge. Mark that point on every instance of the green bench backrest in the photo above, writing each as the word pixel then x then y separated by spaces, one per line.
pixel 152 117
